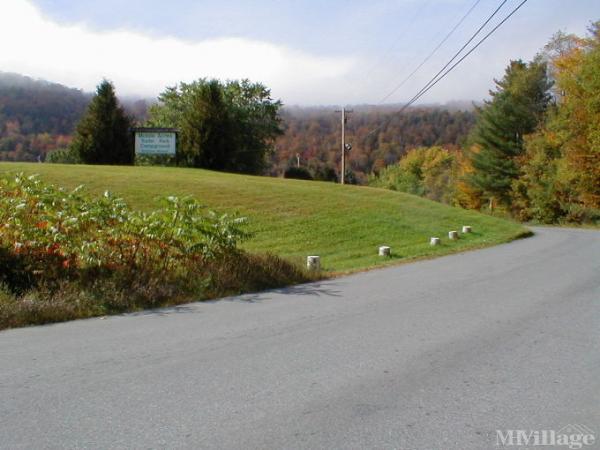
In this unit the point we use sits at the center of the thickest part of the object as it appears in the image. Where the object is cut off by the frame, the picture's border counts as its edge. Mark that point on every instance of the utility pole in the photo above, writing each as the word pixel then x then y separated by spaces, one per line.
pixel 345 147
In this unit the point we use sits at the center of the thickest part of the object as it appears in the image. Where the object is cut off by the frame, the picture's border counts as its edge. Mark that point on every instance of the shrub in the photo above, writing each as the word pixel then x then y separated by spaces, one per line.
pixel 63 156
pixel 56 232
pixel 65 255
pixel 298 173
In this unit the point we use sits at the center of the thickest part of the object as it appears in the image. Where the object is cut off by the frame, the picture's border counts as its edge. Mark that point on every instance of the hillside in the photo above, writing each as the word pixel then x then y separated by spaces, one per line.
pixel 37 116
pixel 293 218
pixel 38 106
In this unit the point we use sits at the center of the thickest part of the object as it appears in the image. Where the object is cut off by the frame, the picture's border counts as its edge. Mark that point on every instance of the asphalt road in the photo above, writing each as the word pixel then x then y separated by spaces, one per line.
pixel 437 354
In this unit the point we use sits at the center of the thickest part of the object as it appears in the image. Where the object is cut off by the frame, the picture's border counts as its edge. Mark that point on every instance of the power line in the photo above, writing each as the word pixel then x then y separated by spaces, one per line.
pixel 431 53
pixel 437 78
pixel 432 84
pixel 382 56
pixel 473 36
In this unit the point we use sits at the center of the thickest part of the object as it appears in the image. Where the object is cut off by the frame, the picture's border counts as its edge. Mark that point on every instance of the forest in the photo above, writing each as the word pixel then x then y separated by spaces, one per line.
pixel 378 136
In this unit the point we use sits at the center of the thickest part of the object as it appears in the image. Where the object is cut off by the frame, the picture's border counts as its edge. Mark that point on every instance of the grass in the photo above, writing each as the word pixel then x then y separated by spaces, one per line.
pixel 294 218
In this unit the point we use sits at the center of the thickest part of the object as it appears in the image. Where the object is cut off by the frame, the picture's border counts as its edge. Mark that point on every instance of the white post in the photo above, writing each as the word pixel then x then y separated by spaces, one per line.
pixel 466 229
pixel 453 235
pixel 385 251
pixel 434 241
pixel 313 263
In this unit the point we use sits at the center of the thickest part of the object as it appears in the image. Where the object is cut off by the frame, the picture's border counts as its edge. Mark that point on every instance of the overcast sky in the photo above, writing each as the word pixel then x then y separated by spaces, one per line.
pixel 308 52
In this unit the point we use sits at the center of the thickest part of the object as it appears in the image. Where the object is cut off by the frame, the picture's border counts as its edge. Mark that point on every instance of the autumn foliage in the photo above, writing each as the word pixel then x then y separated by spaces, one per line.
pixel 534 152
pixel 65 251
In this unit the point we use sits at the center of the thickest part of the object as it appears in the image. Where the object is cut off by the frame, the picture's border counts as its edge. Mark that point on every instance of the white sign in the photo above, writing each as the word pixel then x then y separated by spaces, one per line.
pixel 155 143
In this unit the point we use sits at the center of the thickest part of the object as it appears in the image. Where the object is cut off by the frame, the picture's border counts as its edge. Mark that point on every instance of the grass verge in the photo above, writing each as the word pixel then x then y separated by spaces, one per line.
pixel 294 218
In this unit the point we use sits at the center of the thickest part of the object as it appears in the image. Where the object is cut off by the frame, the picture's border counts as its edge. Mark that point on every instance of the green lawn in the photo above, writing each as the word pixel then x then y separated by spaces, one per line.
pixel 293 218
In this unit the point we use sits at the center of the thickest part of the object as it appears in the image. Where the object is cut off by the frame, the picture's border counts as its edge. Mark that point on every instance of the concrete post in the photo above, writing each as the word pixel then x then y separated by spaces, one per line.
pixel 466 229
pixel 385 251
pixel 453 235
pixel 434 241
pixel 313 263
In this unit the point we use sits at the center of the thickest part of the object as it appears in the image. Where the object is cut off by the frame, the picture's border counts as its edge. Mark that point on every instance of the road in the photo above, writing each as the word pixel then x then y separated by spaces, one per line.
pixel 437 354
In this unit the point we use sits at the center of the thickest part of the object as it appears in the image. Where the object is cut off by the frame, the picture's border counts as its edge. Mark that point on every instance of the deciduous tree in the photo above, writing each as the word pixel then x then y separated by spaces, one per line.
pixel 224 126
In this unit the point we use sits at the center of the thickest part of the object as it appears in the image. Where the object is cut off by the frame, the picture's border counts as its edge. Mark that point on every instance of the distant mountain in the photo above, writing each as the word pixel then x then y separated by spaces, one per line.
pixel 37 116
pixel 36 106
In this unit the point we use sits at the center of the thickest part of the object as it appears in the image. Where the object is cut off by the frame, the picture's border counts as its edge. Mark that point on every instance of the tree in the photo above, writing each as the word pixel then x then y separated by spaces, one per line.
pixel 560 173
pixel 424 171
pixel 537 193
pixel 256 123
pixel 224 126
pixel 516 109
pixel 207 136
pixel 465 194
pixel 103 136
pixel 578 117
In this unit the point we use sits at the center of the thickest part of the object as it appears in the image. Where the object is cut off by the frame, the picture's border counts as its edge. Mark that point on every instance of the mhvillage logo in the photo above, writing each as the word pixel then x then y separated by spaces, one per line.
pixel 570 436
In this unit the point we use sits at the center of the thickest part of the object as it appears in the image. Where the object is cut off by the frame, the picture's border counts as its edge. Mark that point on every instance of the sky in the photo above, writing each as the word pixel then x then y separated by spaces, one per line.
pixel 308 52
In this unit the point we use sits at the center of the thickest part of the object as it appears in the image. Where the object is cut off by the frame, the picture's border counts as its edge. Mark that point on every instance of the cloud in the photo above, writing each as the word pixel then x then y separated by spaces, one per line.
pixel 143 65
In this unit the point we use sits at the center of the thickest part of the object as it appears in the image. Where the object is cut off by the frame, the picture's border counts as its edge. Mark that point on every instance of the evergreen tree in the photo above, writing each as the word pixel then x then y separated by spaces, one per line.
pixel 103 136
pixel 517 108
pixel 206 129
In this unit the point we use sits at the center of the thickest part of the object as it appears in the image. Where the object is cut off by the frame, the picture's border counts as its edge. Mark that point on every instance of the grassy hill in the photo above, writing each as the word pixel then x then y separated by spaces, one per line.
pixel 293 218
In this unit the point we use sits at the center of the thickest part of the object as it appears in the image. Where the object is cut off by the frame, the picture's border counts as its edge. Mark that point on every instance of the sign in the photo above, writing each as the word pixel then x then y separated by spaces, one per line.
pixel 149 142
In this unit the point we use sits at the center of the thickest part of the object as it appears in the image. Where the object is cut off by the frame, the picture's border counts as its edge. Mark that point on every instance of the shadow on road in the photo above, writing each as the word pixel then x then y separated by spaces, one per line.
pixel 310 289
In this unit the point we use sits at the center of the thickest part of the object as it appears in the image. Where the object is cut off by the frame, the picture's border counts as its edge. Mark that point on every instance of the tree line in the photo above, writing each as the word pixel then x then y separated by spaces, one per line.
pixel 227 126
pixel 234 126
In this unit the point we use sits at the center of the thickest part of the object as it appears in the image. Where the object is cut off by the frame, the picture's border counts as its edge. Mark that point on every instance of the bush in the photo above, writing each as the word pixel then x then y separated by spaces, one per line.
pixel 322 172
pixel 57 231
pixel 65 255
pixel 63 156
pixel 298 173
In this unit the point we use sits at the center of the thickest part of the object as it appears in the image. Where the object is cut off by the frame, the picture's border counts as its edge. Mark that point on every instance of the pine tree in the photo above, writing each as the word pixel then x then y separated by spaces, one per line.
pixel 103 136
pixel 517 108
pixel 207 133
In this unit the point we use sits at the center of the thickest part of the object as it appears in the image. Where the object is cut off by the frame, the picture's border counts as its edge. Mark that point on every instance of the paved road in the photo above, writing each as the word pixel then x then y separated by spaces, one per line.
pixel 433 355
